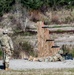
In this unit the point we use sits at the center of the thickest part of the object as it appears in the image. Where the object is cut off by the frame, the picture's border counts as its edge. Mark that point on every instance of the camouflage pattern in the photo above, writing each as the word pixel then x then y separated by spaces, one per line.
pixel 57 56
pixel 60 52
pixel 7 47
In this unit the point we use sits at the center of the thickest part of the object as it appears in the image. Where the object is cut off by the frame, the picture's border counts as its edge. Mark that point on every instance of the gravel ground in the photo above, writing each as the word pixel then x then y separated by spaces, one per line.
pixel 24 64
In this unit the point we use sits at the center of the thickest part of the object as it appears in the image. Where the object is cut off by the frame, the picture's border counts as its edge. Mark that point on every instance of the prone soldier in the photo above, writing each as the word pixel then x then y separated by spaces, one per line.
pixel 58 56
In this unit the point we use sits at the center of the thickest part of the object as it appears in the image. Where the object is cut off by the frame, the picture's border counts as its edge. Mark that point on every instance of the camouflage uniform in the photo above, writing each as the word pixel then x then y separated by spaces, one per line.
pixel 7 47
pixel 58 57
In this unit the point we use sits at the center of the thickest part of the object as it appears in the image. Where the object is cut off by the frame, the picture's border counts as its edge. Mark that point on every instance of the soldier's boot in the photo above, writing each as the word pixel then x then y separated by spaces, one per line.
pixel 7 66
pixel 4 65
pixel 6 69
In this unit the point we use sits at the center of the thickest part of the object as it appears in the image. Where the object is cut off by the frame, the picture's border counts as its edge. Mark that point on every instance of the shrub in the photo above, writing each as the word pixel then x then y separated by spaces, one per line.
pixel 55 19
pixel 24 47
pixel 27 47
pixel 68 50
pixel 65 49
pixel 59 31
pixel 37 4
pixel 47 22
pixel 34 4
pixel 5 6
pixel 72 52
pixel 16 54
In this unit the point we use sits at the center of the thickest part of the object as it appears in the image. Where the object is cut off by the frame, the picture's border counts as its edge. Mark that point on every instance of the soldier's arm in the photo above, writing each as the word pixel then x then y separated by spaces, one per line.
pixel 11 44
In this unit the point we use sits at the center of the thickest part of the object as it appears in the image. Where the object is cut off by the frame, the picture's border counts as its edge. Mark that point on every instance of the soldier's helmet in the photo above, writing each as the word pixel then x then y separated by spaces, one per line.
pixel 5 31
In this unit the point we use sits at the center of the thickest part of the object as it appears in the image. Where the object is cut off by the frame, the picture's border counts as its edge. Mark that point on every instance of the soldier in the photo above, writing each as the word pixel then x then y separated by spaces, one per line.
pixel 58 56
pixel 7 48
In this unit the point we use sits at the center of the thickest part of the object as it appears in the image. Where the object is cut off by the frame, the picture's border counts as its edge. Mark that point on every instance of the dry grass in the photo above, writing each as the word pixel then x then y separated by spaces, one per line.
pixel 39 72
